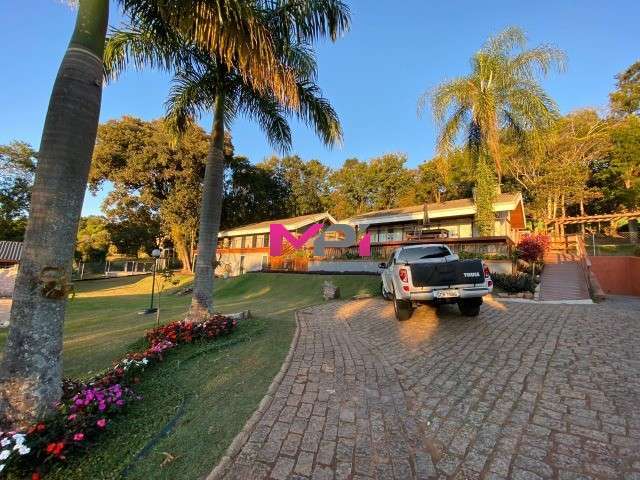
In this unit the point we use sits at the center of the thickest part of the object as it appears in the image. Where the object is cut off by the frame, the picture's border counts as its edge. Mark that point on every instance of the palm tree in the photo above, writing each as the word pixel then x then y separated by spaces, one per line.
pixel 235 31
pixel 205 83
pixel 501 92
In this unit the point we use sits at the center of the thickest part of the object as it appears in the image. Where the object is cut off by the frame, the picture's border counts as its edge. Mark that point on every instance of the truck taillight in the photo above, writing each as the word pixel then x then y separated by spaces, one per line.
pixel 404 276
pixel 486 271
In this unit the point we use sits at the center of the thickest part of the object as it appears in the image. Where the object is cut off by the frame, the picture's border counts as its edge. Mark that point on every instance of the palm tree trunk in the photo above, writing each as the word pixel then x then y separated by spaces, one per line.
pixel 30 374
pixel 210 211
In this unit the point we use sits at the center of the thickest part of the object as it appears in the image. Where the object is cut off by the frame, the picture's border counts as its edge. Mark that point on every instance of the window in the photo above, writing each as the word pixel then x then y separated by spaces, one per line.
pixel 422 253
pixel 266 239
pixel 259 241
pixel 253 241
pixel 236 242
pixel 265 262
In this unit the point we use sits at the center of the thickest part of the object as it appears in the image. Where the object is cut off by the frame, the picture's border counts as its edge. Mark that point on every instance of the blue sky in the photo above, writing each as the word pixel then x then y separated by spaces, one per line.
pixel 374 75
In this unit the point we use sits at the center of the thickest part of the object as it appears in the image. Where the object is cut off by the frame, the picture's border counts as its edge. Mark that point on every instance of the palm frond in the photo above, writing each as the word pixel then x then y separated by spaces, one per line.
pixel 234 31
pixel 141 48
pixel 504 42
pixel 193 92
pixel 306 21
pixel 317 112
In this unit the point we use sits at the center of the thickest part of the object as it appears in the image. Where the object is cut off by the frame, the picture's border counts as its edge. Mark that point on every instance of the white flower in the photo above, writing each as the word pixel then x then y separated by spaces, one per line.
pixel 19 437
pixel 1 466
pixel 4 454
pixel 4 442
pixel 145 361
pixel 24 450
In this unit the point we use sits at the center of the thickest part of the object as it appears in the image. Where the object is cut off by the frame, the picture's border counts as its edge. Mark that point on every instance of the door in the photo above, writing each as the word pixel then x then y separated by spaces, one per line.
pixel 241 264
pixel 387 280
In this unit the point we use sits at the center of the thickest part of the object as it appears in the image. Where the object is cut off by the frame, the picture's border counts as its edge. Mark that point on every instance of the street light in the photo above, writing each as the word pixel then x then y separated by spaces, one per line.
pixel 155 254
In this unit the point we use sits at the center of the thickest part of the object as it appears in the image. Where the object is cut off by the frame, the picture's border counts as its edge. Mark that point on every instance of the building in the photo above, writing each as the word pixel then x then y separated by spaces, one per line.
pixel 246 249
pixel 456 219
pixel 10 253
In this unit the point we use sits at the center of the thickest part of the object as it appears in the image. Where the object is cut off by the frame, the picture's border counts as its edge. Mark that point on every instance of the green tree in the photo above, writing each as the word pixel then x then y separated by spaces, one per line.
pixel 93 239
pixel 17 166
pixel 307 183
pixel 501 92
pixel 131 223
pixel 252 193
pixel 150 169
pixel 352 189
pixel 391 180
pixel 208 83
pixel 626 99
pixel 236 31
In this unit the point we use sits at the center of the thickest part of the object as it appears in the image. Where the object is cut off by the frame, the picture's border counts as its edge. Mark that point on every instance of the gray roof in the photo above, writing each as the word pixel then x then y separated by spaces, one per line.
pixel 10 251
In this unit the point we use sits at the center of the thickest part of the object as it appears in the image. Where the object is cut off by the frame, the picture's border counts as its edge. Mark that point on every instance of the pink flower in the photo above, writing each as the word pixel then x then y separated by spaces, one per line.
pixel 78 437
pixel 72 417
pixel 102 406
pixel 102 422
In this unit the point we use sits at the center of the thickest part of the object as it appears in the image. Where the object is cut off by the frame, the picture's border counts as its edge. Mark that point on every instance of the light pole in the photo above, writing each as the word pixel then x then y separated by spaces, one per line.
pixel 155 254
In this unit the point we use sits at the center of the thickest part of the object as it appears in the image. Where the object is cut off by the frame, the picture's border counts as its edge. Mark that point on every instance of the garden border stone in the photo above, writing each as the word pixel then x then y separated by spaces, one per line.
pixel 220 470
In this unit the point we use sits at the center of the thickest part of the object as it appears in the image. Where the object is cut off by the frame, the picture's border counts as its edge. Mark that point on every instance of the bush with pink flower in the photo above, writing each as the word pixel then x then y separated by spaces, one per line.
pixel 85 409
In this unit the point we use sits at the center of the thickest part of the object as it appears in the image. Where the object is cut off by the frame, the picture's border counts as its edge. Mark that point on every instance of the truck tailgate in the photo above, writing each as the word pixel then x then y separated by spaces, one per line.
pixel 458 272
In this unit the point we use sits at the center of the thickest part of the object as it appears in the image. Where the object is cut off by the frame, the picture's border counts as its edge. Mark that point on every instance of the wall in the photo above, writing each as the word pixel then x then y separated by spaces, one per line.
pixel 343 266
pixel 617 275
pixel 7 279
pixel 500 266
pixel 252 262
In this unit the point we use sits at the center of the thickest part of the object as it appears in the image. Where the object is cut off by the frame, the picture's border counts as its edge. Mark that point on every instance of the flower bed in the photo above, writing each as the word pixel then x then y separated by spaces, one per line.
pixel 85 409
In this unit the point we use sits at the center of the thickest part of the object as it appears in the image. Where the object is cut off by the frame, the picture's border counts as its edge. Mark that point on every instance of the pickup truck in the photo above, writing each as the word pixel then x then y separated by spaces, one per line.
pixel 431 273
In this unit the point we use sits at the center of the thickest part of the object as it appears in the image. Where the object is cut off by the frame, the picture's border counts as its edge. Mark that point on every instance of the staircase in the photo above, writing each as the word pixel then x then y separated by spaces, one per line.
pixel 564 277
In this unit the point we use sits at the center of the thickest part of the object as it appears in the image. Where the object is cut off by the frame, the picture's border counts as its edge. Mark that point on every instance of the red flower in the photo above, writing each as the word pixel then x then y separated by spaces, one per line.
pixel 55 448
pixel 35 476
pixel 41 427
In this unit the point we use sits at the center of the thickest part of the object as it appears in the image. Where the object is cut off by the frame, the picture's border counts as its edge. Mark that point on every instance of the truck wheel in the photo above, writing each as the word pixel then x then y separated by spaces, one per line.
pixel 470 307
pixel 403 309
pixel 386 295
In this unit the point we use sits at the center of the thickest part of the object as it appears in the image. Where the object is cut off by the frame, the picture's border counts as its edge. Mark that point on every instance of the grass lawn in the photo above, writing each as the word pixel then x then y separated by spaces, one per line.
pixel 200 397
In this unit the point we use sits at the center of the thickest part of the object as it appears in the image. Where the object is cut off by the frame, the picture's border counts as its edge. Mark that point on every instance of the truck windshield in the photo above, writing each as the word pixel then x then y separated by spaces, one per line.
pixel 421 253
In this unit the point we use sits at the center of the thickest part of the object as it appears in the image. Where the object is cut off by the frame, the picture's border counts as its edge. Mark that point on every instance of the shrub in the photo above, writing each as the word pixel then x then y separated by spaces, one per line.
pixel 519 282
pixel 531 247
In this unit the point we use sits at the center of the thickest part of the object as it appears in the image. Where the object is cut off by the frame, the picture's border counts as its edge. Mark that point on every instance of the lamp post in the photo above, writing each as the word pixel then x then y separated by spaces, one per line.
pixel 155 254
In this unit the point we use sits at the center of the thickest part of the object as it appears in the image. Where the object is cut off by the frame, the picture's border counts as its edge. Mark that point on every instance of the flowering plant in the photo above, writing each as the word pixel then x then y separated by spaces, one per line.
pixel 86 408
pixel 532 247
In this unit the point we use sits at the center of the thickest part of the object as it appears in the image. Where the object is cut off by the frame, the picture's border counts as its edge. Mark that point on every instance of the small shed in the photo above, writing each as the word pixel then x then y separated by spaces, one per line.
pixel 10 253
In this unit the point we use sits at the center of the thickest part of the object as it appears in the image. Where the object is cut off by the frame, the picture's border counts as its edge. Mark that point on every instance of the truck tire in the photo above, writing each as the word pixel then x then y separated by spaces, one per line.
pixel 470 307
pixel 403 309
pixel 386 295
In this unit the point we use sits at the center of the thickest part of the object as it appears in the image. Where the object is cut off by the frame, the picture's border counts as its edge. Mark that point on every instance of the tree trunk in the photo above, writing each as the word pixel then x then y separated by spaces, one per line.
pixel 210 211
pixel 30 374
pixel 180 244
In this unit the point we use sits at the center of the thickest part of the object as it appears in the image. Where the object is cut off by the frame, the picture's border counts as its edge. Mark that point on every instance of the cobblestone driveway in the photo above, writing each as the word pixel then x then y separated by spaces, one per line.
pixel 523 391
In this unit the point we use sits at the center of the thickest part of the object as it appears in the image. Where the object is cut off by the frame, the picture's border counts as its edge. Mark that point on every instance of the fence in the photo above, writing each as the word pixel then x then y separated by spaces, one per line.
pixel 118 268
pixel 622 243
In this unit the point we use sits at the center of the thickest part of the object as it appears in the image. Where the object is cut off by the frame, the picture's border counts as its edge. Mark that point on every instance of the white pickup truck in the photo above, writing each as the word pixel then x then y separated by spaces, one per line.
pixel 430 273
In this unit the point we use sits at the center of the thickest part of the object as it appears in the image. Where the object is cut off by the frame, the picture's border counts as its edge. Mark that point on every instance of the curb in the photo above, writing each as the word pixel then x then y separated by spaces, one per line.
pixel 221 469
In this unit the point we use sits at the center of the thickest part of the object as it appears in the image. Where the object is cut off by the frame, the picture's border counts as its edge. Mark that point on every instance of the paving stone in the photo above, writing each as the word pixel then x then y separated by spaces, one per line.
pixel 525 391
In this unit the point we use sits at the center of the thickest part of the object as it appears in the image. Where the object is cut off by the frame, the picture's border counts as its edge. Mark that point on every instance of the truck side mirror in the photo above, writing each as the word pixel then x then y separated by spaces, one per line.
pixel 382 265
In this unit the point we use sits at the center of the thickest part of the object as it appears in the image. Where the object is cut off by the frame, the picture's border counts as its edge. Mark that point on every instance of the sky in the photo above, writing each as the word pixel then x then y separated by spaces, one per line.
pixel 374 75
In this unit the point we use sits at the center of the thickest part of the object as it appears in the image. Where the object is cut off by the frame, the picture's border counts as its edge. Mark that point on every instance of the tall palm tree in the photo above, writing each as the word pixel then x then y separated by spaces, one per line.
pixel 501 92
pixel 206 82
pixel 237 32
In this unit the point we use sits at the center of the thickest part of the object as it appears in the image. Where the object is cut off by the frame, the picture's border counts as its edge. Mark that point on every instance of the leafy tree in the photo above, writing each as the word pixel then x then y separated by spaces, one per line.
pixel 131 223
pixel 17 166
pixel 391 180
pixel 252 193
pixel 352 188
pixel 625 155
pixel 501 92
pixel 626 99
pixel 153 172
pixel 93 239
pixel 307 182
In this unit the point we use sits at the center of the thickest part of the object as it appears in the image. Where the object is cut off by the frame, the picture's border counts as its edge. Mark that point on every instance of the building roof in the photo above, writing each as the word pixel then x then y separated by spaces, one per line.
pixel 292 223
pixel 10 251
pixel 452 208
